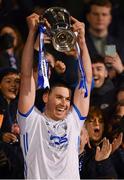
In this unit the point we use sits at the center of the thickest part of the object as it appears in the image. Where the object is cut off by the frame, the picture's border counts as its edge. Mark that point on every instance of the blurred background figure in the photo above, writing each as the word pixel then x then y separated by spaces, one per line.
pixel 115 131
pixel 9 129
pixel 120 94
pixel 5 166
pixel 11 46
pixel 99 18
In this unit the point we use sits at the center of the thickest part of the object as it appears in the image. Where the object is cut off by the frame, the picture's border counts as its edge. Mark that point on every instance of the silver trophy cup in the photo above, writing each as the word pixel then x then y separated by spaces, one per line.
pixel 62 36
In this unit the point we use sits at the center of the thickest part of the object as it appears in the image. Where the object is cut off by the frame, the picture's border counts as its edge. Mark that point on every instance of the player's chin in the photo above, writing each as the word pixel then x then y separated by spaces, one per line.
pixel 60 116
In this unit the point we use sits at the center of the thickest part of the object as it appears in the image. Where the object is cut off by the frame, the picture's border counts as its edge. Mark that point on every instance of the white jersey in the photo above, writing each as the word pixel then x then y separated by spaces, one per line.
pixel 50 147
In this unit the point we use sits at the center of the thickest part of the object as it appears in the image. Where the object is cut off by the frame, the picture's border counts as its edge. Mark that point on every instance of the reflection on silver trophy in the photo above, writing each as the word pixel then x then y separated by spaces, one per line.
pixel 62 36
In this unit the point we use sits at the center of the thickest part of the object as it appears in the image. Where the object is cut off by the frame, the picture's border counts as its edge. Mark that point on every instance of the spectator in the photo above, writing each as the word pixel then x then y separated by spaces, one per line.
pixel 52 137
pixel 99 18
pixel 9 130
pixel 115 131
pixel 103 95
pixel 95 162
pixel 11 47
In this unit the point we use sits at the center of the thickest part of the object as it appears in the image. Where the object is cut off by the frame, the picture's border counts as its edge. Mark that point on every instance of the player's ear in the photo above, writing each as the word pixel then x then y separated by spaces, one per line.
pixel 45 97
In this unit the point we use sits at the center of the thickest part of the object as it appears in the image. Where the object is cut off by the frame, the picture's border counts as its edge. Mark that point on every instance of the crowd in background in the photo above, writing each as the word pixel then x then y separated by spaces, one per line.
pixel 102 141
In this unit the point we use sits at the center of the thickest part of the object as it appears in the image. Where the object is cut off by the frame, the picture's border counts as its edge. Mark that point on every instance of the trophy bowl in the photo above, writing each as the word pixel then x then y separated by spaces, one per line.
pixel 62 36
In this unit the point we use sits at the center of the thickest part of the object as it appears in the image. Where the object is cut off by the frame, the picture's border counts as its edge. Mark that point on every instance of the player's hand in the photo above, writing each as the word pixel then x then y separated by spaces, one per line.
pixel 79 28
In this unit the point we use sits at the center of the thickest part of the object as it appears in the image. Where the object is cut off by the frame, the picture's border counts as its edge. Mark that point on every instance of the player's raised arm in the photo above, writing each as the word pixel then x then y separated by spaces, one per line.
pixel 81 102
pixel 27 88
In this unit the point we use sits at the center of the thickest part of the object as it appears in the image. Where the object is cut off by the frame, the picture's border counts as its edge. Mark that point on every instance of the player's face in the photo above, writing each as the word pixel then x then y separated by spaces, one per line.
pixel 58 103
pixel 9 86
pixel 99 74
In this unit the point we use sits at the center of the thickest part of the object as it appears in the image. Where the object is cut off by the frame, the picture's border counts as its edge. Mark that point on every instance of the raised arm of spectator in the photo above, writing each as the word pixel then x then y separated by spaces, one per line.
pixel 81 102
pixel 115 62
pixel 27 87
